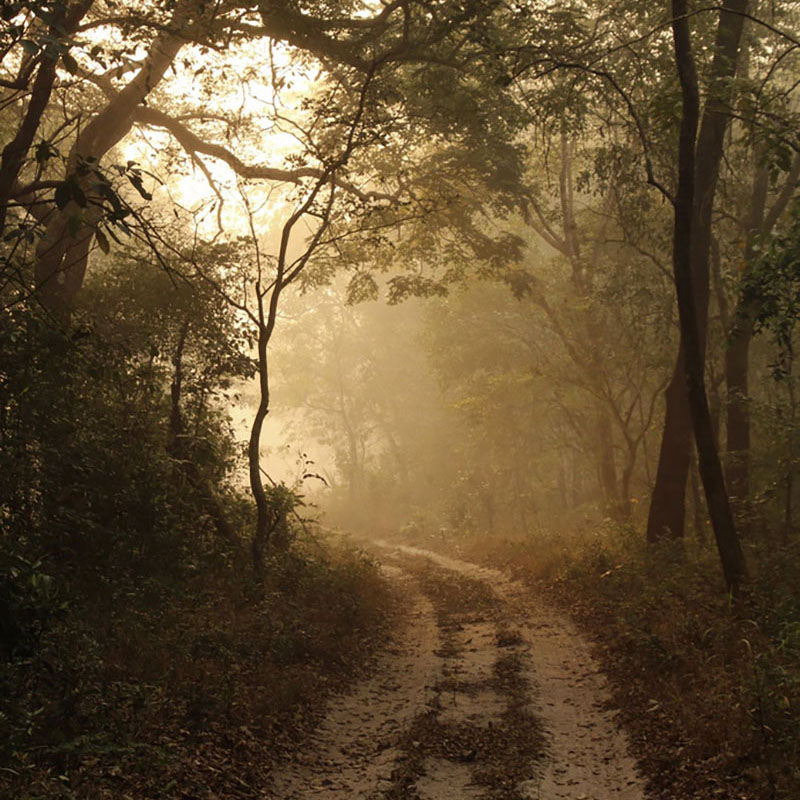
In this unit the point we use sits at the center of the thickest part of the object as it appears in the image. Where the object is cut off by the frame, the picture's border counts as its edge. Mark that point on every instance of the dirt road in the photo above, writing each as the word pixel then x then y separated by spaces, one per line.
pixel 482 694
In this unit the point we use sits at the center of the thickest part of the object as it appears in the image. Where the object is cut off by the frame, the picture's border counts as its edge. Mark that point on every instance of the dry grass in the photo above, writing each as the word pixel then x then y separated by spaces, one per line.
pixel 710 688
pixel 195 692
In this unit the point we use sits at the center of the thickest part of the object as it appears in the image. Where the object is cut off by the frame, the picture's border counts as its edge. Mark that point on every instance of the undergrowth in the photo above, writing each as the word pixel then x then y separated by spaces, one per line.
pixel 710 687
pixel 139 656
pixel 189 689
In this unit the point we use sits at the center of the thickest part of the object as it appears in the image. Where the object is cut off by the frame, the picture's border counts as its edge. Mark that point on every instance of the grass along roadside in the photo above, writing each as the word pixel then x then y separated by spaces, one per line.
pixel 189 689
pixel 710 690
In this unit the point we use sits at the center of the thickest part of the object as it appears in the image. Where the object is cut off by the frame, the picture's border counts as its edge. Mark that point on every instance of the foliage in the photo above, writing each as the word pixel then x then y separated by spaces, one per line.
pixel 131 633
pixel 169 168
pixel 194 689
pixel 771 289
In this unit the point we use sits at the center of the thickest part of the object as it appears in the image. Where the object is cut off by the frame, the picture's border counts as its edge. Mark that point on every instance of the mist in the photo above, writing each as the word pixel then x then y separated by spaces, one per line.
pixel 398 400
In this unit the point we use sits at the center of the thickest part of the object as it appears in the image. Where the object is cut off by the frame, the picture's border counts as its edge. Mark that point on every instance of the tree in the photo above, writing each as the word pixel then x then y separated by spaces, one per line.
pixel 584 223
pixel 74 199
pixel 362 103
pixel 667 506
pixel 770 293
pixel 200 343
pixel 756 195
pixel 759 221
pixel 690 255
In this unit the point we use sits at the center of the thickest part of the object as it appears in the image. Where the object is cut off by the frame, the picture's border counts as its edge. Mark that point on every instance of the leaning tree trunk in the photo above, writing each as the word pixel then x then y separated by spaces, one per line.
pixel 261 535
pixel 684 238
pixel 668 505
pixel 63 251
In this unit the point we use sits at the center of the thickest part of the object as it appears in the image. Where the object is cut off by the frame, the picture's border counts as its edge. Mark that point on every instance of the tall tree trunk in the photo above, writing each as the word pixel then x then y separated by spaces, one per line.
pixel 607 467
pixel 668 506
pixel 685 235
pixel 737 377
pixel 625 506
pixel 698 505
pixel 667 511
pixel 176 427
pixel 737 354
pixel 260 541
pixel 788 506
pixel 520 499
pixel 561 483
pixel 63 251
pixel 576 482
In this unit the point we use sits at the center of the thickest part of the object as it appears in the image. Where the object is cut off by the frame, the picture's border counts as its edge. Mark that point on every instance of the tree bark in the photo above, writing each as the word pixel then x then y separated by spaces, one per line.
pixel 737 377
pixel 260 541
pixel 698 504
pixel 685 236
pixel 607 467
pixel 666 518
pixel 62 253
pixel 737 359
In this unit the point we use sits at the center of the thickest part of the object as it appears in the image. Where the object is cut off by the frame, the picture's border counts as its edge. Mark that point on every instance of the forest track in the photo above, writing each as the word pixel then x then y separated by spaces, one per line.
pixel 482 693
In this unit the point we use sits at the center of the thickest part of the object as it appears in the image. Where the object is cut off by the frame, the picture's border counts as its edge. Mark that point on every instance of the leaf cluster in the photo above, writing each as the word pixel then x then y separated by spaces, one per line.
pixel 771 291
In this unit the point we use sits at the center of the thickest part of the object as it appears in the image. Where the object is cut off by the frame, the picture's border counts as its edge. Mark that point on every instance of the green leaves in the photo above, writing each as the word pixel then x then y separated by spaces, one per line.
pixel 30 47
pixel 20 232
pixel 135 178
pixel 70 191
pixel 70 64
pixel 44 151
pixel 771 292
pixel 102 241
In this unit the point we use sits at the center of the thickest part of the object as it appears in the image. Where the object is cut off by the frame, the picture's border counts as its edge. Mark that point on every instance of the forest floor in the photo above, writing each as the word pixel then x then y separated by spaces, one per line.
pixel 482 692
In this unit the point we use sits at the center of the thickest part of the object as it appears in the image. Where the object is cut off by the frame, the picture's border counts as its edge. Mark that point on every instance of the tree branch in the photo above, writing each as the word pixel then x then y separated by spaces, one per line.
pixel 194 145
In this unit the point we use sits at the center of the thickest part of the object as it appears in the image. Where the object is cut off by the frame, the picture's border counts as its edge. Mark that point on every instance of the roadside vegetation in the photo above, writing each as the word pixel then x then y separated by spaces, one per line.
pixel 709 687
pixel 141 654
pixel 190 685
pixel 584 218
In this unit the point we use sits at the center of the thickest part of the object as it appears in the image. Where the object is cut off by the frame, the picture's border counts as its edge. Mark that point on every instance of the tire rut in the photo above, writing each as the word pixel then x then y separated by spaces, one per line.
pixel 353 752
pixel 482 694
pixel 587 753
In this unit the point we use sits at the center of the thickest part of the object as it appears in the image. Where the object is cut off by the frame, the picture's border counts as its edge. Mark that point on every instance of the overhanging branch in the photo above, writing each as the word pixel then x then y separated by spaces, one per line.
pixel 195 146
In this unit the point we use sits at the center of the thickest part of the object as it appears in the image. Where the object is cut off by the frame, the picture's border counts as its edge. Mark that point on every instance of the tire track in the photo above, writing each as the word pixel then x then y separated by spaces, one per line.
pixel 354 751
pixel 588 753
pixel 458 703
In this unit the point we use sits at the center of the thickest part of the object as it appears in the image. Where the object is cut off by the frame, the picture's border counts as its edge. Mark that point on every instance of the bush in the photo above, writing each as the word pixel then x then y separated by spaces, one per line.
pixel 142 693
pixel 138 657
